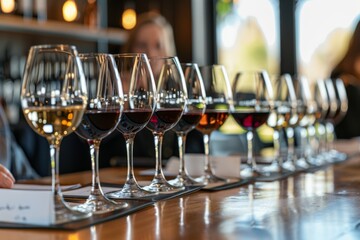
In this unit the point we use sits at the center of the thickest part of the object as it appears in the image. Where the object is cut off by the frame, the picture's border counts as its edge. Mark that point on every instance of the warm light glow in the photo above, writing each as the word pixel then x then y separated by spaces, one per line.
pixel 129 18
pixel 7 6
pixel 69 11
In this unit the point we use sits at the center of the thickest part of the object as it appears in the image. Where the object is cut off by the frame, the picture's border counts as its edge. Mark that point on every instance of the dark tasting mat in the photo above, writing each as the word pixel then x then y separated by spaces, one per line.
pixel 227 185
pixel 134 206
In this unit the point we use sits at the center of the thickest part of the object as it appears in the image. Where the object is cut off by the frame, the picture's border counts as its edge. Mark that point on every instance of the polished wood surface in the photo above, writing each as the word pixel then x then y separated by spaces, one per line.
pixel 320 205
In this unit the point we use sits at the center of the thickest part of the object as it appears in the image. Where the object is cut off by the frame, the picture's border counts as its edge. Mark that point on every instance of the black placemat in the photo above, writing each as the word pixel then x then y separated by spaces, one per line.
pixel 134 206
pixel 273 176
pixel 226 185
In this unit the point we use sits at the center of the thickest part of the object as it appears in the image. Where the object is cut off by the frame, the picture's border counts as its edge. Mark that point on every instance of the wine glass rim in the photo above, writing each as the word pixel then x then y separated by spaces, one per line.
pixel 162 57
pixel 84 55
pixel 188 64
pixel 129 55
pixel 254 71
pixel 50 46
pixel 211 66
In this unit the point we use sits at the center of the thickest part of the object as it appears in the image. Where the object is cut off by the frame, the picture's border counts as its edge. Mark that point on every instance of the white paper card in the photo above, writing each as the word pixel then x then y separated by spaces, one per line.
pixel 28 207
pixel 223 166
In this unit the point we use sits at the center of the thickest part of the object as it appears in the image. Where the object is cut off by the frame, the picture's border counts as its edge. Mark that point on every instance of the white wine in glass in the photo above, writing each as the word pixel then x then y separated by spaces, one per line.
pixel 53 99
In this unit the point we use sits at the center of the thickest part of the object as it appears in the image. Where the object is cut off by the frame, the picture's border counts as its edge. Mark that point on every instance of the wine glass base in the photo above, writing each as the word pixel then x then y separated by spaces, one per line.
pixel 160 185
pixel 131 191
pixel 210 178
pixel 99 204
pixel 249 172
pixel 184 180
pixel 316 160
pixel 289 166
pixel 302 163
pixel 65 213
pixel 274 167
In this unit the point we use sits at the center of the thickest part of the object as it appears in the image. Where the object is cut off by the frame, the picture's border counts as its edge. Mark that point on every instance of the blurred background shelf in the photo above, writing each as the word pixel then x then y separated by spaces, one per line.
pixel 16 24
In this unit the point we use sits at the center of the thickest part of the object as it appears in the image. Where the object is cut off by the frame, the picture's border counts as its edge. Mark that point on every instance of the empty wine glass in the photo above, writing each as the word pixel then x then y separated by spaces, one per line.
pixel 171 99
pixel 297 115
pixel 306 128
pixel 218 103
pixel 280 118
pixel 139 104
pixel 101 117
pixel 194 110
pixel 321 100
pixel 253 95
pixel 338 98
pixel 53 99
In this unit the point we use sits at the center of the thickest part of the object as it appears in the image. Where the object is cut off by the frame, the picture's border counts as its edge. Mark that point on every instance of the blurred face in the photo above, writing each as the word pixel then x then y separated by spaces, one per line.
pixel 150 40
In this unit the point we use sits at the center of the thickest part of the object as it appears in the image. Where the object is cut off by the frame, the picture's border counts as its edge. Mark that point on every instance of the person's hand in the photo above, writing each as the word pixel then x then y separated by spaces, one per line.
pixel 6 178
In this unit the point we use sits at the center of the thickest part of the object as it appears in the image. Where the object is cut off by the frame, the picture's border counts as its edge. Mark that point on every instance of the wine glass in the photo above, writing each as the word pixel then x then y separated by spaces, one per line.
pixel 305 98
pixel 139 104
pixel 281 116
pixel 101 117
pixel 171 99
pixel 53 99
pixel 194 110
pixel 253 95
pixel 339 102
pixel 322 107
pixel 218 103
pixel 297 114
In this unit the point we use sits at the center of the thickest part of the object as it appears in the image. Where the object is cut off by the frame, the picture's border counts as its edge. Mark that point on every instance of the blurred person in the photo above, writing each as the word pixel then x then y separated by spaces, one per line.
pixel 348 69
pixel 152 35
pixel 13 161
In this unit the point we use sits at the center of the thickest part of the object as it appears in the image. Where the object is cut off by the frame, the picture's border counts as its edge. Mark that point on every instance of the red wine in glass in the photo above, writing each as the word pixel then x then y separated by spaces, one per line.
pixel 133 121
pixel 96 124
pixel 250 119
pixel 188 121
pixel 164 119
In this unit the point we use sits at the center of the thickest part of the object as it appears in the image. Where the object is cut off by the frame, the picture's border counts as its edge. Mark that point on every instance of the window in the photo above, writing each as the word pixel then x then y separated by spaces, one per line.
pixel 248 38
pixel 323 34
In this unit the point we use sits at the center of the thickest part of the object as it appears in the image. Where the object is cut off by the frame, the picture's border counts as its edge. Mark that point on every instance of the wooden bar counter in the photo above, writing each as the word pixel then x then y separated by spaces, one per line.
pixel 320 205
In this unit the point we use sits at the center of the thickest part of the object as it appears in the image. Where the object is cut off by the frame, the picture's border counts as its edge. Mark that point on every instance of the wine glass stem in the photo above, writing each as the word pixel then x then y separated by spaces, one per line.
pixel 291 143
pixel 249 137
pixel 94 156
pixel 130 158
pixel 55 183
pixel 158 138
pixel 181 142
pixel 207 166
pixel 329 135
pixel 276 137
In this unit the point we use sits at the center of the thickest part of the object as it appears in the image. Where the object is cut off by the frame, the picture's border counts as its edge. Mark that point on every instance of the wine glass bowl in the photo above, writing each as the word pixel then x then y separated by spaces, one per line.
pixel 218 104
pixel 193 112
pixel 253 95
pixel 139 105
pixel 102 114
pixel 171 99
pixel 53 99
